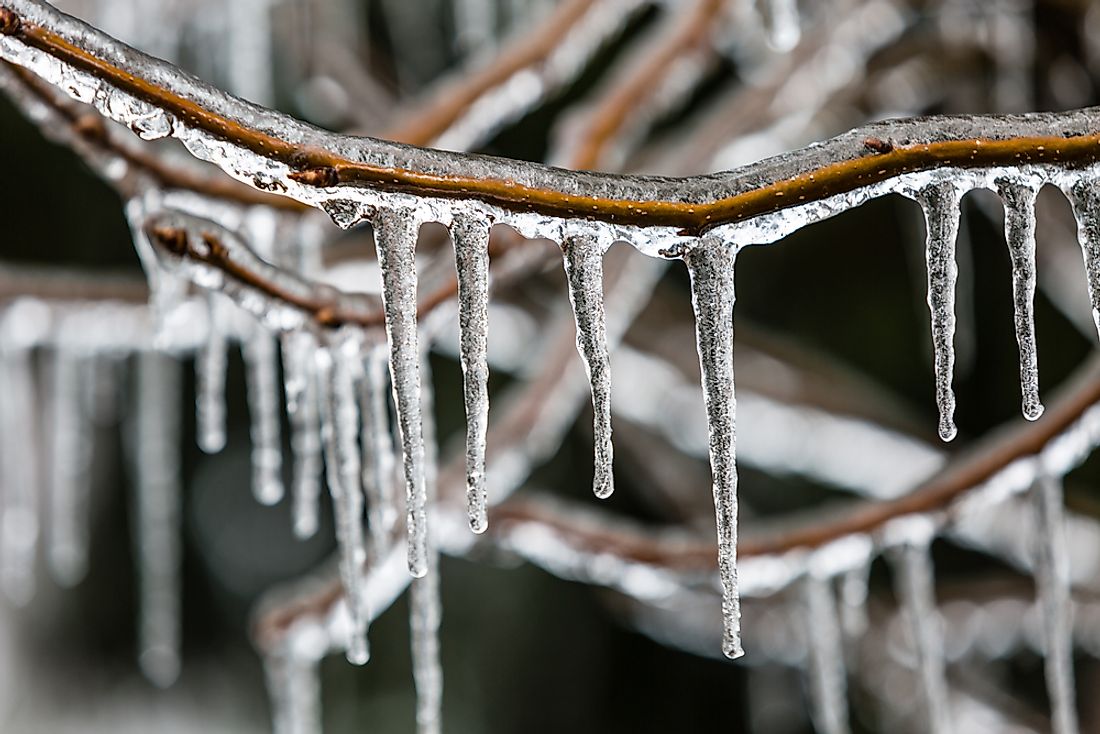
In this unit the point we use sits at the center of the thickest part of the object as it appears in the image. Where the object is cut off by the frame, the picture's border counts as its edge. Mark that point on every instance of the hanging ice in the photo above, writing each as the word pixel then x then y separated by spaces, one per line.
pixel 1052 582
pixel 710 265
pixel 395 234
pixel 378 458
pixel 210 366
pixel 471 243
pixel 781 22
pixel 584 270
pixel 828 679
pixel 1086 209
pixel 300 383
pixel 294 686
pixel 1019 201
pixel 155 440
pixel 915 592
pixel 853 601
pixel 340 435
pixel 940 202
pixel 259 351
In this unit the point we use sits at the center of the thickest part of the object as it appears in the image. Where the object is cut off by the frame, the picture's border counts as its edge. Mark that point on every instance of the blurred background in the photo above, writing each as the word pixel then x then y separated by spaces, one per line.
pixel 833 361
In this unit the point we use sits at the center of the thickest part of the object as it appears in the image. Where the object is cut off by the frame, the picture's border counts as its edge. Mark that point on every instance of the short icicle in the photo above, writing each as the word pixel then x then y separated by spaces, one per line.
pixel 1085 198
pixel 1019 203
pixel 294 687
pixel 395 234
pixel 155 441
pixel 471 243
pixel 584 270
pixel 260 355
pixel 853 601
pixel 210 365
pixel 711 265
pixel 21 469
pixel 340 435
pixel 940 202
pixel 302 407
pixel 916 593
pixel 378 457
pixel 1052 582
pixel 828 678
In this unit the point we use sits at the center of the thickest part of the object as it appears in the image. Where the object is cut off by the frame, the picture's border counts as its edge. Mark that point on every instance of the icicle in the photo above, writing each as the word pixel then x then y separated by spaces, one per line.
pixel 259 353
pixel 853 601
pixel 210 367
pixel 1019 202
pixel 395 234
pixel 18 441
pixel 339 433
pixel 300 380
pixel 828 679
pixel 1052 581
pixel 711 266
pixel 294 686
pixel 70 475
pixel 1086 209
pixel 915 591
pixel 781 22
pixel 378 458
pixel 425 609
pixel 471 242
pixel 584 269
pixel 940 203
pixel 157 464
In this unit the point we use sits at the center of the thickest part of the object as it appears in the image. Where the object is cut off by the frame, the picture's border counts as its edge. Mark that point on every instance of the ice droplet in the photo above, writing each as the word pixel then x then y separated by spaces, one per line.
pixel 260 355
pixel 395 234
pixel 940 203
pixel 1019 203
pixel 711 265
pixel 471 243
pixel 828 679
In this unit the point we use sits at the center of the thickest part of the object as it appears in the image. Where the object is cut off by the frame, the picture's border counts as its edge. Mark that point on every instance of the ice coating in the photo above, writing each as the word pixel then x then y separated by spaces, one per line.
pixel 1019 202
pixel 395 234
pixel 712 297
pixel 378 451
pixel 260 353
pixel 70 475
pixel 914 586
pixel 210 365
pixel 303 411
pixel 1052 583
pixel 340 436
pixel 1082 194
pixel 828 680
pixel 940 203
pixel 584 270
pixel 157 485
pixel 471 243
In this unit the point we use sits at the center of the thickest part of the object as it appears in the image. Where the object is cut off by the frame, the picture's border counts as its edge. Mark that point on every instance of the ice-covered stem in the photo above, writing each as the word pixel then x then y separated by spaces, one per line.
pixel 1019 202
pixel 712 295
pixel 305 159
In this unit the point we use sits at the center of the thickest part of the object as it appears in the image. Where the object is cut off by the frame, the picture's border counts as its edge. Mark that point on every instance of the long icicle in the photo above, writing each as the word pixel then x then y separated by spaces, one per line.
pixel 584 270
pixel 915 591
pixel 210 365
pixel 1085 199
pixel 828 679
pixel 940 203
pixel 339 433
pixel 1052 582
pixel 395 234
pixel 711 266
pixel 425 608
pixel 21 464
pixel 157 483
pixel 378 458
pixel 260 355
pixel 302 407
pixel 471 243
pixel 1019 203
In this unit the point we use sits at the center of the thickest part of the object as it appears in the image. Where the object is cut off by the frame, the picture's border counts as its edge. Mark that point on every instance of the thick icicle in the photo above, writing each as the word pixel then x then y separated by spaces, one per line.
pixel 828 679
pixel 70 470
pixel 915 591
pixel 340 435
pixel 294 687
pixel 259 352
pixel 1085 198
pixel 378 458
pixel 712 296
pixel 300 382
pixel 395 234
pixel 425 609
pixel 1019 201
pixel 157 465
pixel 471 242
pixel 1052 582
pixel 18 441
pixel 940 203
pixel 584 270
pixel 210 366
